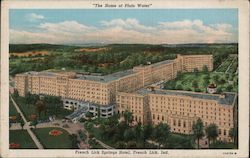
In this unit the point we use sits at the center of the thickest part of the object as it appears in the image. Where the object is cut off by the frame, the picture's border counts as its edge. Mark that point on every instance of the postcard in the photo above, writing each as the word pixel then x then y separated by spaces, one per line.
pixel 124 79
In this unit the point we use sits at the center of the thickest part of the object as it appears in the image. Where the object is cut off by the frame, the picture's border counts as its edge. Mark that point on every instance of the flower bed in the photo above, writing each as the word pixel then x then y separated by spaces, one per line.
pixel 14 146
pixel 55 132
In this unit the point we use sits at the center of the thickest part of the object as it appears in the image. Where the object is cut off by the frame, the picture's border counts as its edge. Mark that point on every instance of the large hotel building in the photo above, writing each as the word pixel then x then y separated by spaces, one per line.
pixel 135 90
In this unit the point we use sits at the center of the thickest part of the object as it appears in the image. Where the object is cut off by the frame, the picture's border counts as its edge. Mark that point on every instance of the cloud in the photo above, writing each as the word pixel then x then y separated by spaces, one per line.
pixel 182 24
pixel 34 17
pixel 127 31
pixel 66 26
pixel 127 24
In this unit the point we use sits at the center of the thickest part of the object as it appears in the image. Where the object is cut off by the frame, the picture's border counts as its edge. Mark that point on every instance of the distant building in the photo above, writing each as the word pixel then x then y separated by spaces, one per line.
pixel 127 90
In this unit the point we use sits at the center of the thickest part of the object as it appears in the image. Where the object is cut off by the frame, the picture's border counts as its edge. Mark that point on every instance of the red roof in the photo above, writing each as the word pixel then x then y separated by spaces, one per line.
pixel 212 86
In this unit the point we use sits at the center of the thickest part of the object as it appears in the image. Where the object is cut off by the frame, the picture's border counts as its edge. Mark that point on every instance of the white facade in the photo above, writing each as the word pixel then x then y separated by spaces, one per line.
pixel 80 108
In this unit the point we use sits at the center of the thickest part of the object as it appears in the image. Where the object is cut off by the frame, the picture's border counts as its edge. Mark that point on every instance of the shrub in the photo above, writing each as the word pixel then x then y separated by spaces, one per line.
pixel 120 145
pixel 131 145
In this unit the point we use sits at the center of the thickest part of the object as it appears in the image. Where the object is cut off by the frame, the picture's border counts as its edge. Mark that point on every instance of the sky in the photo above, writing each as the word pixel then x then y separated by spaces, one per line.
pixel 148 26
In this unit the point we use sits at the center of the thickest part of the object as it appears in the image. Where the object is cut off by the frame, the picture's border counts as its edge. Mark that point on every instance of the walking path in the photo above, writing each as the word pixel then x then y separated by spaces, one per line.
pixel 72 128
pixel 27 127
pixel 102 144
pixel 230 64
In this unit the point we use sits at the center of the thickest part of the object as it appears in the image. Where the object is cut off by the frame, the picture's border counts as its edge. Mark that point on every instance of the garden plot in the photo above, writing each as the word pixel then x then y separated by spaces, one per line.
pixel 230 65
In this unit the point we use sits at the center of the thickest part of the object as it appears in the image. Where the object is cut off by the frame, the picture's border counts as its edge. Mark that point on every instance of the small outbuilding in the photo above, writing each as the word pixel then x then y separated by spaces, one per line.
pixel 212 88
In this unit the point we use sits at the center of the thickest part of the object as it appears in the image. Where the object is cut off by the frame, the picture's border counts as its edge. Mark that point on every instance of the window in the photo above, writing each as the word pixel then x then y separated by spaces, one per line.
pixel 179 123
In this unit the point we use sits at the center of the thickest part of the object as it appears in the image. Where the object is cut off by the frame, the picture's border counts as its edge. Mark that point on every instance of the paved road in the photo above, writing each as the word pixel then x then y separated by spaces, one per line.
pixel 27 127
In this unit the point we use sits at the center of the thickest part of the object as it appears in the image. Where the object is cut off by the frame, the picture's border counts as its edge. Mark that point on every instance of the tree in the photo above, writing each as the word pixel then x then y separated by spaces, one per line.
pixel 219 90
pixel 89 115
pixel 178 87
pixel 197 90
pixel 198 130
pixel 113 121
pixel 148 131
pixel 40 106
pixel 222 81
pixel 196 71
pixel 31 99
pixel 205 69
pixel 161 134
pixel 131 145
pixel 229 88
pixel 195 84
pixel 120 145
pixel 22 123
pixel 206 81
pixel 98 112
pixel 233 134
pixel 128 117
pixel 15 94
pixel 34 123
pixel 139 132
pixel 53 104
pixel 212 133
pixel 129 134
pixel 216 78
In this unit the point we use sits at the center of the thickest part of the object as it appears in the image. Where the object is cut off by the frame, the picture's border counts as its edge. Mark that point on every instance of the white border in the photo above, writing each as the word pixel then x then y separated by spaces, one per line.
pixel 243 13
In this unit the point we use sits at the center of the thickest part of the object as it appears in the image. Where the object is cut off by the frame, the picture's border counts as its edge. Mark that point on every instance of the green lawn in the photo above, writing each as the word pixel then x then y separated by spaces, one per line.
pixel 62 141
pixel 26 109
pixel 12 109
pixel 21 137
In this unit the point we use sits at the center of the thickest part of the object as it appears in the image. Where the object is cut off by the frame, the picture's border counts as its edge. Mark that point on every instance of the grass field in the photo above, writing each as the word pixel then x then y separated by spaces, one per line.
pixel 21 137
pixel 62 141
pixel 12 109
pixel 26 109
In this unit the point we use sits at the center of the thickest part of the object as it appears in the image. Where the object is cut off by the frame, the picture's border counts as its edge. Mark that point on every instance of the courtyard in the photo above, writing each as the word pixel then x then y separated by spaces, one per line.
pixel 199 81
